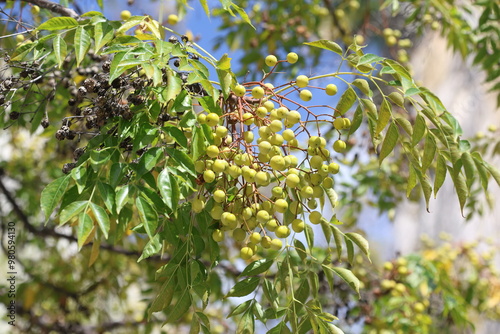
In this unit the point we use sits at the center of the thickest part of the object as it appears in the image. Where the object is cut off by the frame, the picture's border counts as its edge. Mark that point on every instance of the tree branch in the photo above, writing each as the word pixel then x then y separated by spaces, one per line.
pixel 54 7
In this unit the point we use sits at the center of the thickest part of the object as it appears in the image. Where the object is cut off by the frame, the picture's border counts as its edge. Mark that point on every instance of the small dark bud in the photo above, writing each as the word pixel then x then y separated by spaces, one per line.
pixel 173 39
pixel 184 38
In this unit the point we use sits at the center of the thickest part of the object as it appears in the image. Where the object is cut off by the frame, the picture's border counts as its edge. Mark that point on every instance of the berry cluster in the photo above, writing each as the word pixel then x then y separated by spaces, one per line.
pixel 249 179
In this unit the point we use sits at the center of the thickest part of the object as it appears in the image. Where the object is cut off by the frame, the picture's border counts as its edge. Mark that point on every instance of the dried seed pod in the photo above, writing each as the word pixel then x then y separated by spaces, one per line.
pixel 14 115
pixel 68 167
pixel 45 123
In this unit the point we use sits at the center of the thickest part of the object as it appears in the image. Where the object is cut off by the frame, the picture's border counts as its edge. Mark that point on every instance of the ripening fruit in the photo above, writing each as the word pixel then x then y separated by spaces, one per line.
pixel 328 182
pixel 218 235
pixel 263 216
pixel 35 10
pixel 239 90
pixel 305 95
pixel 292 57
pixel 298 225
pixel 125 15
pixel 212 119
pixel 219 196
pixel 258 92
pixel 296 207
pixel 419 307
pixel 315 217
pixel 288 135
pixel 255 238
pixel 271 60
pixel 271 225
pixel 280 205
pixel 333 168
pixel 246 253
pixel 391 40
pixel 227 218
pixel 216 212
pixel 248 136
pixel 282 231
pixel 20 38
pixel 316 162
pixel 261 112
pixel 302 81
pixel 276 244
pixel 306 192
pixel 172 19
pixel 212 151
pixel 292 180
pixel 293 117
pixel 239 234
pixel 221 131
pixel 339 146
pixel 388 266
pixel 278 163
pixel 276 126
pixel 262 178
pixel 208 176
pixel 277 192
pixel 331 89
pixel 219 166
pixel 266 242
pixel 198 205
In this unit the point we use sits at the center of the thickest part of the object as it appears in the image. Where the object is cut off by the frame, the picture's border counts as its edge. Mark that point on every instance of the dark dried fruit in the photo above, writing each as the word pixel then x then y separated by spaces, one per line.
pixel 14 115
pixel 45 123
pixel 106 66
pixel 184 38
pixel 68 167
pixel 60 135
pixel 173 39
pixel 78 153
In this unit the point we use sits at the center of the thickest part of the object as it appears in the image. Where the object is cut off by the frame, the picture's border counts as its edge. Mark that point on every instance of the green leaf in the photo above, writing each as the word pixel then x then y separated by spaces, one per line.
pixel 429 152
pixel 482 171
pixel 204 4
pixel 369 58
pixel 327 45
pixel 152 247
pixel 244 287
pixel 360 241
pixel 337 236
pixel 440 173
pixel 405 124
pixel 460 187
pixel 103 34
pixel 240 308
pixel 60 49
pixel 426 187
pixel 102 218
pixel 108 196
pixel 169 189
pixel 177 134
pixel 131 22
pixel 58 23
pixel 357 119
pixel 85 227
pixel 363 86
pixel 346 101
pixel 71 210
pixel 280 328
pixel 390 140
pixel 224 63
pixel 182 159
pixel 350 250
pixel 493 171
pixel 300 248
pixel 412 180
pixel 384 116
pixel 164 297
pixel 246 325
pixel 148 216
pixel 348 277
pixel 309 236
pixel 174 85
pixel 82 44
pixel 52 194
pixel 257 267
pixel 181 307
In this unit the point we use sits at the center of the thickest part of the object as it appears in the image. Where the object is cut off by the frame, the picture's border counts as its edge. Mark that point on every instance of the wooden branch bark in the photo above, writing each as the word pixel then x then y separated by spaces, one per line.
pixel 54 7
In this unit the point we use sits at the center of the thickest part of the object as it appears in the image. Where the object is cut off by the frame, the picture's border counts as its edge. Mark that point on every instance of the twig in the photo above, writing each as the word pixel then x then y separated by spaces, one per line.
pixel 54 7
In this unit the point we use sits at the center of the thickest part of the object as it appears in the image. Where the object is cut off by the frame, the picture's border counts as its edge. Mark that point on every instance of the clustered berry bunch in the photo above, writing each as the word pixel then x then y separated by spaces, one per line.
pixel 256 176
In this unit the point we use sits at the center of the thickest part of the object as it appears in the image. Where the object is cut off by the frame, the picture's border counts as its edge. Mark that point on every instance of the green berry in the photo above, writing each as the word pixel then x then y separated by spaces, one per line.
pixel 305 95
pixel 239 90
pixel 302 81
pixel 292 57
pixel 271 60
pixel 331 89
pixel 258 92
pixel 212 119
